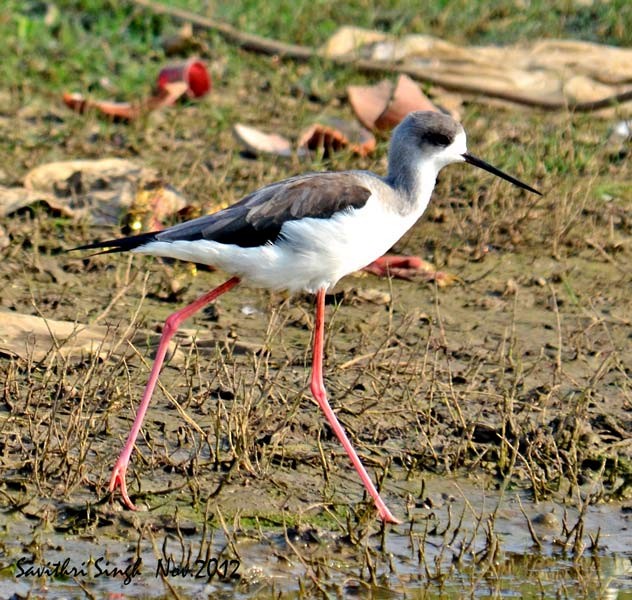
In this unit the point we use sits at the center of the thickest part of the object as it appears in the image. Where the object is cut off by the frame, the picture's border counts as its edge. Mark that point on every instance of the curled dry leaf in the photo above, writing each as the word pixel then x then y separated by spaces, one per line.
pixel 27 336
pixel 332 135
pixel 382 106
pixel 13 199
pixel 407 97
pixel 329 135
pixel 124 111
pixel 75 176
pixel 166 95
pixel 370 101
pixel 190 78
pixel 258 142
pixel 98 191
pixel 348 38
pixel 548 73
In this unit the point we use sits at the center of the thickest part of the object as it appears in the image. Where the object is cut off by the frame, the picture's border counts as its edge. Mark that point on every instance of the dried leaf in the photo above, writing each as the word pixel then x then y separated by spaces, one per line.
pixel 370 101
pixel 332 135
pixel 27 336
pixel 349 38
pixel 54 178
pixel 374 296
pixel 99 192
pixel 258 142
pixel 546 72
pixel 407 97
pixel 14 199
pixel 382 106
pixel 174 81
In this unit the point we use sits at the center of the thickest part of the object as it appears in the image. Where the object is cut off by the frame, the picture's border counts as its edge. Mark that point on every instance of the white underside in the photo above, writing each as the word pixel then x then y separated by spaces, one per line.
pixel 308 255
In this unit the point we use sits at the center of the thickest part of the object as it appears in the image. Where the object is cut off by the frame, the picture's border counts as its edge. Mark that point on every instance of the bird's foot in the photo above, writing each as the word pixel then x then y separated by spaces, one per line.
pixel 409 268
pixel 400 267
pixel 118 480
pixel 385 514
pixel 389 518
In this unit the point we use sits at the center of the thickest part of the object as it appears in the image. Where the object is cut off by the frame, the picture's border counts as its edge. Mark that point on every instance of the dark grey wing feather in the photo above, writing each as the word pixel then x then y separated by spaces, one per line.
pixel 258 218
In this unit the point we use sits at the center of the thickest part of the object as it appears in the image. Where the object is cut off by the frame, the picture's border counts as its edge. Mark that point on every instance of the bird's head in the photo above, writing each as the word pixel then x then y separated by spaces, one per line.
pixel 433 140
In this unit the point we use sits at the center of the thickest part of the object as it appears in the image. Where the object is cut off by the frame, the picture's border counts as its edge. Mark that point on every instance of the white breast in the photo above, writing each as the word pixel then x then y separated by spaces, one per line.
pixel 308 255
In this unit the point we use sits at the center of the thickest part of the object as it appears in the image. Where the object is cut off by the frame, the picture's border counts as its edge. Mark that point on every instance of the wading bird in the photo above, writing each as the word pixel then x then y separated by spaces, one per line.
pixel 305 233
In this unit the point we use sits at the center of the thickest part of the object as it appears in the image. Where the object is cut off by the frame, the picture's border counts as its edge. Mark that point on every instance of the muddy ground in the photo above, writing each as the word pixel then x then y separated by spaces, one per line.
pixel 513 382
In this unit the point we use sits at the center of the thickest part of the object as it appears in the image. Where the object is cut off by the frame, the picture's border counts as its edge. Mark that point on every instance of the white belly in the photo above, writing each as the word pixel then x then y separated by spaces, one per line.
pixel 308 255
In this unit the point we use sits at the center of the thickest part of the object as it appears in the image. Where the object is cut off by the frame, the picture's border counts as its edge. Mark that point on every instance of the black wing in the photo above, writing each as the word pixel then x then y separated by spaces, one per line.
pixel 258 218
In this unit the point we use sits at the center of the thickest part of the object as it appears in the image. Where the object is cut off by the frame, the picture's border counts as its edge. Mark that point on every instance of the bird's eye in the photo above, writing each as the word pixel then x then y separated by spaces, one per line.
pixel 436 138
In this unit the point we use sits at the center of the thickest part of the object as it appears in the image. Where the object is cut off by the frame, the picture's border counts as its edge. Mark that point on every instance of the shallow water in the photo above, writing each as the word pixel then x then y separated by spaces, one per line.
pixel 458 542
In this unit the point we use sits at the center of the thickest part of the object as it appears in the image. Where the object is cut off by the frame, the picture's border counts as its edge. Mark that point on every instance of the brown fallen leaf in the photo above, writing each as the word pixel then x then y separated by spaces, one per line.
pixel 31 337
pixel 349 38
pixel 258 142
pixel 102 192
pixel 407 97
pixel 382 106
pixel 328 135
pixel 552 74
pixel 55 177
pixel 167 94
pixel 13 199
pixel 125 111
pixel 190 78
pixel 332 135
pixel 97 191
pixel 374 296
pixel 370 101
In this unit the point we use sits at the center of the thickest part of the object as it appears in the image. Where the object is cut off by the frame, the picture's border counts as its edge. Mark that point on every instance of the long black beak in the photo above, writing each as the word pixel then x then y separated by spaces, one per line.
pixel 477 162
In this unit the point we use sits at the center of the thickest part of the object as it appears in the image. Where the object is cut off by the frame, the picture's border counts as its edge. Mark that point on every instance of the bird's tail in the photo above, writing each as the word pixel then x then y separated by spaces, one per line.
pixel 120 245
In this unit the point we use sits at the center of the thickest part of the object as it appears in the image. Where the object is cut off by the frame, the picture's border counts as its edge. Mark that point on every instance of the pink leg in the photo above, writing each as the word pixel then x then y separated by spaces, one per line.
pixel 318 389
pixel 172 324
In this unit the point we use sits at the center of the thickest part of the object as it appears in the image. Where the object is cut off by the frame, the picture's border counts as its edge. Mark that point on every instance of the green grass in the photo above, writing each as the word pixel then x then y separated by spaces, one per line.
pixel 86 43
pixel 500 21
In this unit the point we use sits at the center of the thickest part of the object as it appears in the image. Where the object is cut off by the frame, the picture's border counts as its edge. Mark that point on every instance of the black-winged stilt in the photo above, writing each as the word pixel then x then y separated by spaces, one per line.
pixel 305 233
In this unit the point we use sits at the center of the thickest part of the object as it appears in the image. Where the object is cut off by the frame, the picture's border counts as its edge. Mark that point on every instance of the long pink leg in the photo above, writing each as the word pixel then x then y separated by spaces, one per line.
pixel 172 324
pixel 318 389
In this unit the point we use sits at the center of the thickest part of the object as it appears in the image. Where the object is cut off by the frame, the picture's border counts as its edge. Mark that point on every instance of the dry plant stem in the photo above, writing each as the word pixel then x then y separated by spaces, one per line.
pixel 558 322
pixel 263 45
pixel 305 563
pixel 318 390
pixel 172 324
pixel 119 294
